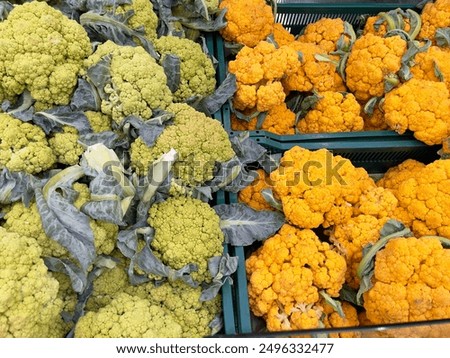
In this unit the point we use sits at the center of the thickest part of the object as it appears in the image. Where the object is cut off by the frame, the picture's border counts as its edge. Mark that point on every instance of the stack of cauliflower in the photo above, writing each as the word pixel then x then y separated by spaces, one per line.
pixel 391 74
pixel 334 212
pixel 45 57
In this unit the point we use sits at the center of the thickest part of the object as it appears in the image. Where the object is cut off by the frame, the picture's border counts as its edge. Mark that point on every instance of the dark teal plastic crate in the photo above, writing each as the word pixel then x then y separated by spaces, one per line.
pixel 294 17
pixel 228 306
pixel 238 291
pixel 376 154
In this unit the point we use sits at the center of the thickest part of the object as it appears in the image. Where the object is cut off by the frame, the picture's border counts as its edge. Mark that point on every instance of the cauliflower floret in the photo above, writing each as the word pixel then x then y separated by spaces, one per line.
pixel 200 142
pixel 99 122
pixel 259 71
pixel 313 74
pixel 138 84
pixel 251 195
pixel 45 54
pixel 23 146
pixel 29 303
pixel 65 146
pixel 324 32
pixel 183 301
pixel 278 119
pixel 128 317
pixel 197 73
pixel 187 231
pixel 372 60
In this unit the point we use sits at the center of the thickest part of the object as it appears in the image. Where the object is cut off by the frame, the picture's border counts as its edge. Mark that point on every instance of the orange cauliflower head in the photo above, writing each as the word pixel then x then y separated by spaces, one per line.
pixel 410 282
pixel 286 274
pixel 251 195
pixel 421 106
pixel 248 22
pixel 333 112
pixel 325 33
pixel 372 60
pixel 278 119
pixel 434 15
pixel 313 74
pixel 317 188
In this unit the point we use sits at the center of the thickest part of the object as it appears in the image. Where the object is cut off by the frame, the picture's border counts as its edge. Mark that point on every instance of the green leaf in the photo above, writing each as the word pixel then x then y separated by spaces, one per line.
pixel 243 225
pixel 212 103
pixel 78 278
pixel 110 199
pixel 337 306
pixel 56 117
pixel 261 118
pixel 392 229
pixel 108 26
pixel 234 175
pixel 369 107
pixel 270 162
pixel 442 37
pixel 15 186
pixel 348 294
pixel 5 9
pixel 148 185
pixel 109 139
pixel 148 130
pixel 171 65
pixel 270 199
pixel 86 97
pixel 99 75
pixel 221 268
pixel 22 109
pixel 201 24
pixel 62 221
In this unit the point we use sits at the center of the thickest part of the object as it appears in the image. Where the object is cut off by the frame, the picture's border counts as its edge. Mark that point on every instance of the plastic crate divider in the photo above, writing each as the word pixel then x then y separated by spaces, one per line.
pixel 241 292
pixel 229 319
pixel 229 322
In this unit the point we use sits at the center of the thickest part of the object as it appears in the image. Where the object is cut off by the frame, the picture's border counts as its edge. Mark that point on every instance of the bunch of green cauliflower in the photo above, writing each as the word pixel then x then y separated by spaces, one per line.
pixel 65 88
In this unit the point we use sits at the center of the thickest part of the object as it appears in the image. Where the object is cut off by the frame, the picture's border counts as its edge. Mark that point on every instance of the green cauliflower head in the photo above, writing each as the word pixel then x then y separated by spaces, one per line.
pixel 23 146
pixel 29 303
pixel 128 316
pixel 180 299
pixel 200 142
pixel 187 230
pixel 184 303
pixel 196 68
pixel 138 83
pixel 143 17
pixel 42 51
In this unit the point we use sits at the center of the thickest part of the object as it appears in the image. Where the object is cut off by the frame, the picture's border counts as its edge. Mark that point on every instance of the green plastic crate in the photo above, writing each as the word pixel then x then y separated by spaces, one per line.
pixel 228 313
pixel 376 154
pixel 235 303
pixel 294 17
